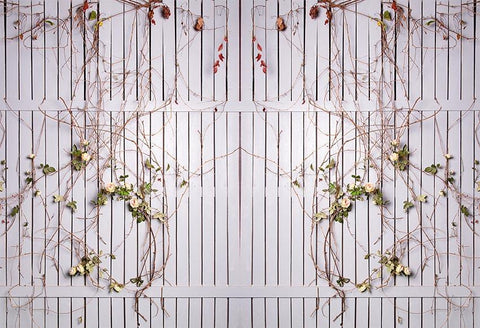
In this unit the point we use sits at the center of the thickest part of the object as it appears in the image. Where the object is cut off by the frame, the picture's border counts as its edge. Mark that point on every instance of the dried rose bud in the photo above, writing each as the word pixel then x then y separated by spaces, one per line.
pixel 165 11
pixel 281 24
pixel 314 12
pixel 199 24
pixel 150 16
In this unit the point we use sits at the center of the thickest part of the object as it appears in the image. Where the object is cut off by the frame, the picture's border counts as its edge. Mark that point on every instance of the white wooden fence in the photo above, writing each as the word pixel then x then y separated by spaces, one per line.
pixel 243 159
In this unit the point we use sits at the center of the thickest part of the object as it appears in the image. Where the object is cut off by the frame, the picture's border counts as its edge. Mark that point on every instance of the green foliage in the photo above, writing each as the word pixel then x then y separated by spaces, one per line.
pixel 407 205
pixel 432 169
pixel 47 169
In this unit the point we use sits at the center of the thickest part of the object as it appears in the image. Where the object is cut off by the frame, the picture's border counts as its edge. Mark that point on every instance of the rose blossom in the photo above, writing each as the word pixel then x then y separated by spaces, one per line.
pixel 134 203
pixel 345 202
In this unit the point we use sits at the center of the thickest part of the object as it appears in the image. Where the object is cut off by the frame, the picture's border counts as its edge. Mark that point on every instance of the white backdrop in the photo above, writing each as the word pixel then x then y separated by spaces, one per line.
pixel 239 160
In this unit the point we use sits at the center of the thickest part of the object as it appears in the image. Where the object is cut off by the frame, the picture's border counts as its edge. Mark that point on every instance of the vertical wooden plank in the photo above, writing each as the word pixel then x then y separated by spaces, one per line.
pixel 78 50
pixel 286 185
pixel 50 51
pixel 220 33
pixel 246 183
pixel 427 213
pixel 416 25
pixel 64 23
pixel 65 219
pixel 118 227
pixel 286 189
pixel 79 218
pixel 271 202
pixel 195 212
pixel 25 52
pixel 12 225
pixel 299 219
pixel 310 168
pixel 271 51
pixel 429 50
pixel 455 51
pixel 170 165
pixel 350 223
pixel 183 216
pixel 258 213
pixel 468 42
pixel 38 55
pixel 209 52
pixel 47 144
pixel 284 49
pixel 25 238
pixel 233 189
pixel 259 37
pixel 12 52
pixel 208 208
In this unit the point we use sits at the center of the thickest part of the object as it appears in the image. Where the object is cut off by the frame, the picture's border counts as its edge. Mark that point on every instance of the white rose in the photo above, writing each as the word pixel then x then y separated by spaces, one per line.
pixel 128 186
pixel 406 271
pixel 86 157
pixel 345 202
pixel 394 157
pixel 351 186
pixel 395 143
pixel 110 187
pixel 134 203
pixel 369 187
pixel 73 271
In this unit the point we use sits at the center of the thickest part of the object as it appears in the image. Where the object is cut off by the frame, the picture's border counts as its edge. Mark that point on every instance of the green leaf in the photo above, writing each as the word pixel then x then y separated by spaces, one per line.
pixel 430 22
pixel 72 205
pixel 148 164
pixel 387 15
pixel 49 22
pixel 47 169
pixel 432 169
pixel 92 15
pixel 15 210
pixel 296 184
pixel 407 205
pixel 183 184
pixel 465 211
pixel 422 198
pixel 58 198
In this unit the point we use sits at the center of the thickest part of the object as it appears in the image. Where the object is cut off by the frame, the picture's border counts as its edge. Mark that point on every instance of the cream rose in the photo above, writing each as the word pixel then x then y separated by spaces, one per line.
pixel 369 187
pixel 134 202
pixel 73 271
pixel 86 157
pixel 394 157
pixel 345 202
pixel 395 143
pixel 110 187
pixel 406 271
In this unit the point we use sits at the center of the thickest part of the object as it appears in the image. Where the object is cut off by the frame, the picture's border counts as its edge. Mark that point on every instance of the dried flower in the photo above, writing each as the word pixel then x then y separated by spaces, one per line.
pixel 199 24
pixel 281 26
pixel 165 11
pixel 314 12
